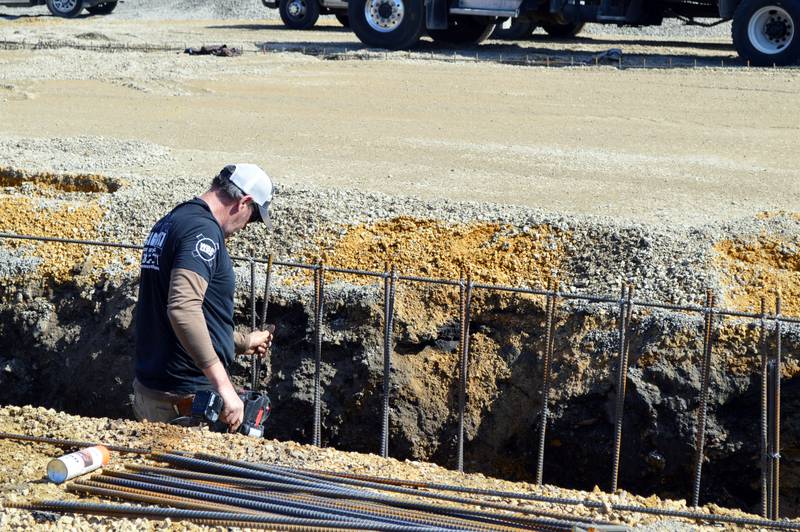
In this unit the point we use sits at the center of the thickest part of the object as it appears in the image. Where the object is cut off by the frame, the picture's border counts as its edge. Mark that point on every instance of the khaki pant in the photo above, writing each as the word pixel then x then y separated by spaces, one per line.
pixel 156 406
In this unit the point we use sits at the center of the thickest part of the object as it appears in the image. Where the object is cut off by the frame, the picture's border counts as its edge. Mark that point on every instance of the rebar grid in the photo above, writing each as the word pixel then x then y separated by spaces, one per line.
pixel 771 480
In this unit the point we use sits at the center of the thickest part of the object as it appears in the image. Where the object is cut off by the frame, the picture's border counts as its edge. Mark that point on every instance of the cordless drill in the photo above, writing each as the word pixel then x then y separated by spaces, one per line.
pixel 207 406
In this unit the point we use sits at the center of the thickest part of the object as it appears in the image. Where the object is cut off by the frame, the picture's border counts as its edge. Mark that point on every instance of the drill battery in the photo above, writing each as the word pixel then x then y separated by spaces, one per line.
pixel 207 407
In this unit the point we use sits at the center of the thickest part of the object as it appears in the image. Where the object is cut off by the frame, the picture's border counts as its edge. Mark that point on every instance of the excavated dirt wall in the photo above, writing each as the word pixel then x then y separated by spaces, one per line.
pixel 70 348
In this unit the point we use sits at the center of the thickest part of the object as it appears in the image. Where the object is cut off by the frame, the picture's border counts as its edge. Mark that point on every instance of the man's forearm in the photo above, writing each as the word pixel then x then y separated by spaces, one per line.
pixel 218 377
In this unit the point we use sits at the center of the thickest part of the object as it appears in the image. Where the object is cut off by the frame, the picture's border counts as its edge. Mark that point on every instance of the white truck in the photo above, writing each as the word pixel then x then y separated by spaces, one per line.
pixel 763 31
pixel 66 8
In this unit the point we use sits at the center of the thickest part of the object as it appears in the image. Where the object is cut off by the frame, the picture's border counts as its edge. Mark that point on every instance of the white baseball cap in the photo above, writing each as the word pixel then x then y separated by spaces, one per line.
pixel 254 182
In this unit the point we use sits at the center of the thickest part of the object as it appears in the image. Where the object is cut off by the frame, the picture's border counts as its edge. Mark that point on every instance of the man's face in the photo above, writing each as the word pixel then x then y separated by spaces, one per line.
pixel 244 212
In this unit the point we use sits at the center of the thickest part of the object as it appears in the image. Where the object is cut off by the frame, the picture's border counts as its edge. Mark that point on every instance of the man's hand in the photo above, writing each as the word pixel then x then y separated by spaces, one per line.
pixel 232 408
pixel 260 342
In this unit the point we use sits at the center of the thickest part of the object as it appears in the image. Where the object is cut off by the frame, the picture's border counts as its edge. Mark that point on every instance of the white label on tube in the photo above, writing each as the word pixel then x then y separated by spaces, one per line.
pixel 78 463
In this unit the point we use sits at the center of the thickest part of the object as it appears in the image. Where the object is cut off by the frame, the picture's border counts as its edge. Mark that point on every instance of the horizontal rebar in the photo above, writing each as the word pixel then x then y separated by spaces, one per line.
pixel 697 516
pixel 252 500
pixel 590 298
pixel 160 499
pixel 70 443
pixel 258 469
pixel 125 510
pixel 320 497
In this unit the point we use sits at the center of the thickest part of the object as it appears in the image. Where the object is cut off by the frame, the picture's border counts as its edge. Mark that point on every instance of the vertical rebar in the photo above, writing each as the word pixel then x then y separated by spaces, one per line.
pixel 254 356
pixel 765 461
pixel 702 410
pixel 550 310
pixel 625 304
pixel 319 288
pixel 776 415
pixel 267 281
pixel 389 285
pixel 465 297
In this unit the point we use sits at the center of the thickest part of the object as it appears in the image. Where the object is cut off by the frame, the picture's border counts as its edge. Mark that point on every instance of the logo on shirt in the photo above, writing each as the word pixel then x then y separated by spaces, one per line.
pixel 154 245
pixel 205 248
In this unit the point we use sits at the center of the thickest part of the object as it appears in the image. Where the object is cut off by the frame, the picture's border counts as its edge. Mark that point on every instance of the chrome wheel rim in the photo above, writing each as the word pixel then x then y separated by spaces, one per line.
pixel 770 30
pixel 384 16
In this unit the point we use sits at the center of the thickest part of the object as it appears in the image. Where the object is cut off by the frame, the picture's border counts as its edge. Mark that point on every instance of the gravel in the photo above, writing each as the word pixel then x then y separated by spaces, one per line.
pixel 23 466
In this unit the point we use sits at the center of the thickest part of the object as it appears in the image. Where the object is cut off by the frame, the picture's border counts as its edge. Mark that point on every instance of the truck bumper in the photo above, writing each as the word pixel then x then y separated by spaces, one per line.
pixel 272 4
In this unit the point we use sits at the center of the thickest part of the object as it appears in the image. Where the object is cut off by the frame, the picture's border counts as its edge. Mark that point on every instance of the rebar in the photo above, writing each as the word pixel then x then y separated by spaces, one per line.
pixel 253 318
pixel 152 512
pixel 625 306
pixel 465 297
pixel 588 503
pixel 70 444
pixel 547 361
pixel 389 286
pixel 766 497
pixel 139 495
pixel 318 494
pixel 702 410
pixel 310 481
pixel 319 288
pixel 776 424
pixel 267 282
pixel 255 501
pixel 257 360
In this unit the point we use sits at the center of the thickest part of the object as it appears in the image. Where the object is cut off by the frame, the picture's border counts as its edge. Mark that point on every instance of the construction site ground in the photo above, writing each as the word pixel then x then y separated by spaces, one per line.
pixel 679 135
pixel 680 145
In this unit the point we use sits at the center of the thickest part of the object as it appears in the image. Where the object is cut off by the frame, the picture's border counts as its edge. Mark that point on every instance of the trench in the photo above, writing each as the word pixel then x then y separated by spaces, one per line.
pixel 69 348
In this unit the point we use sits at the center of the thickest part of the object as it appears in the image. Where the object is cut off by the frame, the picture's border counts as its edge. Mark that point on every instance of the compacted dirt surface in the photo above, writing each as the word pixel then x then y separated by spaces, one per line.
pixel 675 168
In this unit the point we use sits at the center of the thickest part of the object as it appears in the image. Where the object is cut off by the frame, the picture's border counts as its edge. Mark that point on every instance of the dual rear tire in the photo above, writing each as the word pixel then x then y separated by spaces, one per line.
pixel 764 32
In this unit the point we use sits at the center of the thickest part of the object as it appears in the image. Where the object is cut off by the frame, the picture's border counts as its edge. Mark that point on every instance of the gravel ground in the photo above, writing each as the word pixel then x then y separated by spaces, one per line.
pixel 23 466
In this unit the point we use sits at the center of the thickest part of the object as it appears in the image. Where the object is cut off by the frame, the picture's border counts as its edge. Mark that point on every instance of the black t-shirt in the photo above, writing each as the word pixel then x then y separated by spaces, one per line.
pixel 189 237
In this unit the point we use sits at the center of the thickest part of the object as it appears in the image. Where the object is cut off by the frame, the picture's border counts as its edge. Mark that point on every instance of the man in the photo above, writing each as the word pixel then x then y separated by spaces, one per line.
pixel 185 337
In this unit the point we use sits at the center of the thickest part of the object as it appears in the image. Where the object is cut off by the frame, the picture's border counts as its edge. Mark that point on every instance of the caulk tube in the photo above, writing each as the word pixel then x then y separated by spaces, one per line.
pixel 78 463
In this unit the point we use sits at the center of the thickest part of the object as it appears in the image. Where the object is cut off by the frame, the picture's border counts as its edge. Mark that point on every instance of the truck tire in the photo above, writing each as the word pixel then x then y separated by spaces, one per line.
pixel 464 30
pixel 343 19
pixel 65 8
pixel 102 9
pixel 513 30
pixel 764 32
pixel 392 24
pixel 563 31
pixel 299 14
